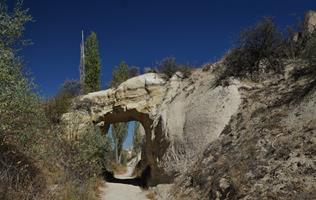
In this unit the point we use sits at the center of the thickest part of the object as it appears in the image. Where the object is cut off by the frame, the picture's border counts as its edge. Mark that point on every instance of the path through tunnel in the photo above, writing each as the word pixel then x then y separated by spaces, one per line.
pixel 155 143
pixel 138 172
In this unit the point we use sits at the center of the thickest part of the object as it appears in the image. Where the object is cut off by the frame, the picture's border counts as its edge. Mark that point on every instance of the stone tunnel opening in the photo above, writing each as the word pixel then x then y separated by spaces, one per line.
pixel 141 170
pixel 147 171
pixel 126 165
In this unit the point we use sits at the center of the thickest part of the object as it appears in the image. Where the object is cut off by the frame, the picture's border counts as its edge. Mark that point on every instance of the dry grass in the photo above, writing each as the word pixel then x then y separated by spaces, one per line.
pixel 119 168
pixel 88 191
pixel 151 196
pixel 99 183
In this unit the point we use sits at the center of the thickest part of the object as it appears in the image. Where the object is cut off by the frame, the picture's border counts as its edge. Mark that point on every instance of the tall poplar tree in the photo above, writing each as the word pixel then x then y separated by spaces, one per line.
pixel 119 130
pixel 92 64
pixel 137 138
pixel 119 134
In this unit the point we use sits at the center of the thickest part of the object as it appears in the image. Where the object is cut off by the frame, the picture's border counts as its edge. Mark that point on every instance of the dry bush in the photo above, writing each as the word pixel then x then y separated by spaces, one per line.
pixel 259 48
pixel 169 67
pixel 20 178
pixel 118 168
pixel 151 196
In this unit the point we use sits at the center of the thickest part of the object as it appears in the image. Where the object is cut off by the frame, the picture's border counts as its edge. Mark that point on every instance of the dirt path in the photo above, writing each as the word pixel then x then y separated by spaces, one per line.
pixel 120 191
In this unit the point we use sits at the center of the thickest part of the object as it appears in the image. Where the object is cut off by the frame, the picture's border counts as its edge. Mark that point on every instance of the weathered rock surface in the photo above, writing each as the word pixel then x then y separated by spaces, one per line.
pixel 136 99
pixel 192 115
pixel 180 117
pixel 310 21
pixel 244 140
pixel 268 149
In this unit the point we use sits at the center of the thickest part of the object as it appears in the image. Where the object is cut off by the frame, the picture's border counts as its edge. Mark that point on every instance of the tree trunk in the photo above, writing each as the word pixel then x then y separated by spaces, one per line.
pixel 116 153
pixel 120 158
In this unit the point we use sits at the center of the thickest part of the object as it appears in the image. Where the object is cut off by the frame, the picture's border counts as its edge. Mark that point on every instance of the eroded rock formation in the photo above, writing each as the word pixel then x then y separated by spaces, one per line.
pixel 238 140
pixel 267 151
pixel 243 140
pixel 180 116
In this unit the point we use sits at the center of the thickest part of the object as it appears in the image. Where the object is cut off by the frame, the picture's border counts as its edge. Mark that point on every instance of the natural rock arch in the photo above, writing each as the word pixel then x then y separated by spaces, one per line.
pixel 180 117
pixel 137 99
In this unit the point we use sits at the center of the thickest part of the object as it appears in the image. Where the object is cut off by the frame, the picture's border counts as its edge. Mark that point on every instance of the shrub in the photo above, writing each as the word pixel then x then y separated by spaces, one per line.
pixel 20 178
pixel 259 48
pixel 79 162
pixel 169 66
pixel 87 154
pixel 58 105
pixel 33 155
pixel 121 73
pixel 133 71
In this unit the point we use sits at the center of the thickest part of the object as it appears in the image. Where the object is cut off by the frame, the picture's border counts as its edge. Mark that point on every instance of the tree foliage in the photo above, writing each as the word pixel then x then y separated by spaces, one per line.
pixel 88 155
pixel 169 66
pixel 12 25
pixel 92 63
pixel 119 133
pixel 119 130
pixel 22 119
pixel 27 145
pixel 56 106
pixel 20 111
pixel 262 48
pixel 258 48
pixel 137 138
pixel 119 74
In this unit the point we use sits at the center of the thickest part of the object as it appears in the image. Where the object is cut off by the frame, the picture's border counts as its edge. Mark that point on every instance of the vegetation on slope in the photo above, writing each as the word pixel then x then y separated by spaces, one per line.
pixel 263 49
pixel 267 150
pixel 36 162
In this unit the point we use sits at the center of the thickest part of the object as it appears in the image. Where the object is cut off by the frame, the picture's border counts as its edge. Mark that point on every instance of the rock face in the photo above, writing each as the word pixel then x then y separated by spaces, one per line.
pixel 180 117
pixel 267 150
pixel 136 99
pixel 244 140
pixel 192 115
pixel 310 21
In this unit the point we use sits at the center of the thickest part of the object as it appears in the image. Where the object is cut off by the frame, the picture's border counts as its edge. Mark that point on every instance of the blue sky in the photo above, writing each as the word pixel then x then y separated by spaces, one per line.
pixel 140 32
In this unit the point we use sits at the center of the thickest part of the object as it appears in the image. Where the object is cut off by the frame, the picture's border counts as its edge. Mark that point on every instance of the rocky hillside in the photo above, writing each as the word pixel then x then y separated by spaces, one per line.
pixel 266 151
pixel 180 117
pixel 239 140
pixel 214 138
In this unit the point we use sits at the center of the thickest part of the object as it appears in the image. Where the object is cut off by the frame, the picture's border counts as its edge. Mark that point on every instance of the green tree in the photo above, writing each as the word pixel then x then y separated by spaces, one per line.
pixel 58 105
pixel 119 75
pixel 262 43
pixel 137 138
pixel 119 133
pixel 19 105
pixel 92 63
pixel 21 117
pixel 119 130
